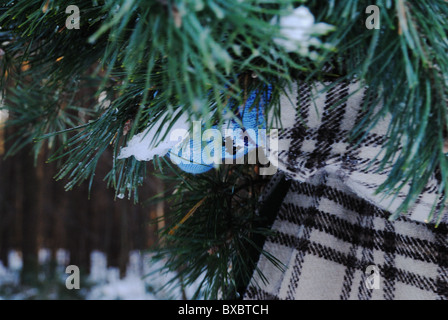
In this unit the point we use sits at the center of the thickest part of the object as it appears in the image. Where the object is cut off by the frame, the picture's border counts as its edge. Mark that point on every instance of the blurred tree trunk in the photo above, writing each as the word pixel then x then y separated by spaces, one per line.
pixel 36 212
pixel 5 202
pixel 78 229
pixel 30 216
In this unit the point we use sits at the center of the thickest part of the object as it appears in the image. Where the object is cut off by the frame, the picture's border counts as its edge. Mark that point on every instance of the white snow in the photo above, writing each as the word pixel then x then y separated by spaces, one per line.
pixel 44 256
pixel 144 146
pixel 134 285
pixel 106 282
pixel 297 30
pixel 15 260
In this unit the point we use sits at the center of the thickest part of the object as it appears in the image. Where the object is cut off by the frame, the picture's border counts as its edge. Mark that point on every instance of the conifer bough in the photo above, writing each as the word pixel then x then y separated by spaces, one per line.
pixel 150 59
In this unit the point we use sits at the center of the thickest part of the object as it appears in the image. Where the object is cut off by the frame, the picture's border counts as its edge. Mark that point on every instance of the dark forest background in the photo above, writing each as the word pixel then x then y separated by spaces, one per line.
pixel 36 212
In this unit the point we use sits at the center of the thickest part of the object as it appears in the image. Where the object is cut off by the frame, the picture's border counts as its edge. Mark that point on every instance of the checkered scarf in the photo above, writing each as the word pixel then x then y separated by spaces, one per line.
pixel 333 233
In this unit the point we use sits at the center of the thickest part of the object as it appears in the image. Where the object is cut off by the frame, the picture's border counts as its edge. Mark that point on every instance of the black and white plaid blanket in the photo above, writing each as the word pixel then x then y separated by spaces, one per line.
pixel 334 235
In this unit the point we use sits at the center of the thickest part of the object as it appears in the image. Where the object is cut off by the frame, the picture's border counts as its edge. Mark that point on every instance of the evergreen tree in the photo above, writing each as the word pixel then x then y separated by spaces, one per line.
pixel 157 63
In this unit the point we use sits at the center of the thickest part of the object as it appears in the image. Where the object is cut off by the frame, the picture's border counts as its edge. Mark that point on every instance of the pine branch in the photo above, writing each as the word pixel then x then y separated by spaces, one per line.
pixel 404 66
pixel 213 229
pixel 157 57
pixel 150 58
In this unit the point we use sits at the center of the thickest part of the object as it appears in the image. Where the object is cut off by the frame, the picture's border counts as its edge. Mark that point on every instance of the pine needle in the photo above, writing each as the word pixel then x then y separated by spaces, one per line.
pixel 187 216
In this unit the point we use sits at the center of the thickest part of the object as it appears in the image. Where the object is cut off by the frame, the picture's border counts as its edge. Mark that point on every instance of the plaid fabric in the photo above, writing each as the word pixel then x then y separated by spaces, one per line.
pixel 331 226
pixel 327 237
pixel 314 136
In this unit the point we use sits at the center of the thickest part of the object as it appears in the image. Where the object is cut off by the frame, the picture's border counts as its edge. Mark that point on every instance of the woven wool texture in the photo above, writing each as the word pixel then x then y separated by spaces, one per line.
pixel 331 226
pixel 314 137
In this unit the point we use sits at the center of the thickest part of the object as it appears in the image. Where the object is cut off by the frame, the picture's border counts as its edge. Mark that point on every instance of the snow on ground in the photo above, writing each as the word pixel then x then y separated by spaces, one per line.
pixel 103 283
pixel 12 274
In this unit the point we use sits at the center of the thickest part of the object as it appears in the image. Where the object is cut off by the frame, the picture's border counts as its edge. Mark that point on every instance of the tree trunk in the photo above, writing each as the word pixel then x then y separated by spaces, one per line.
pixel 30 216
